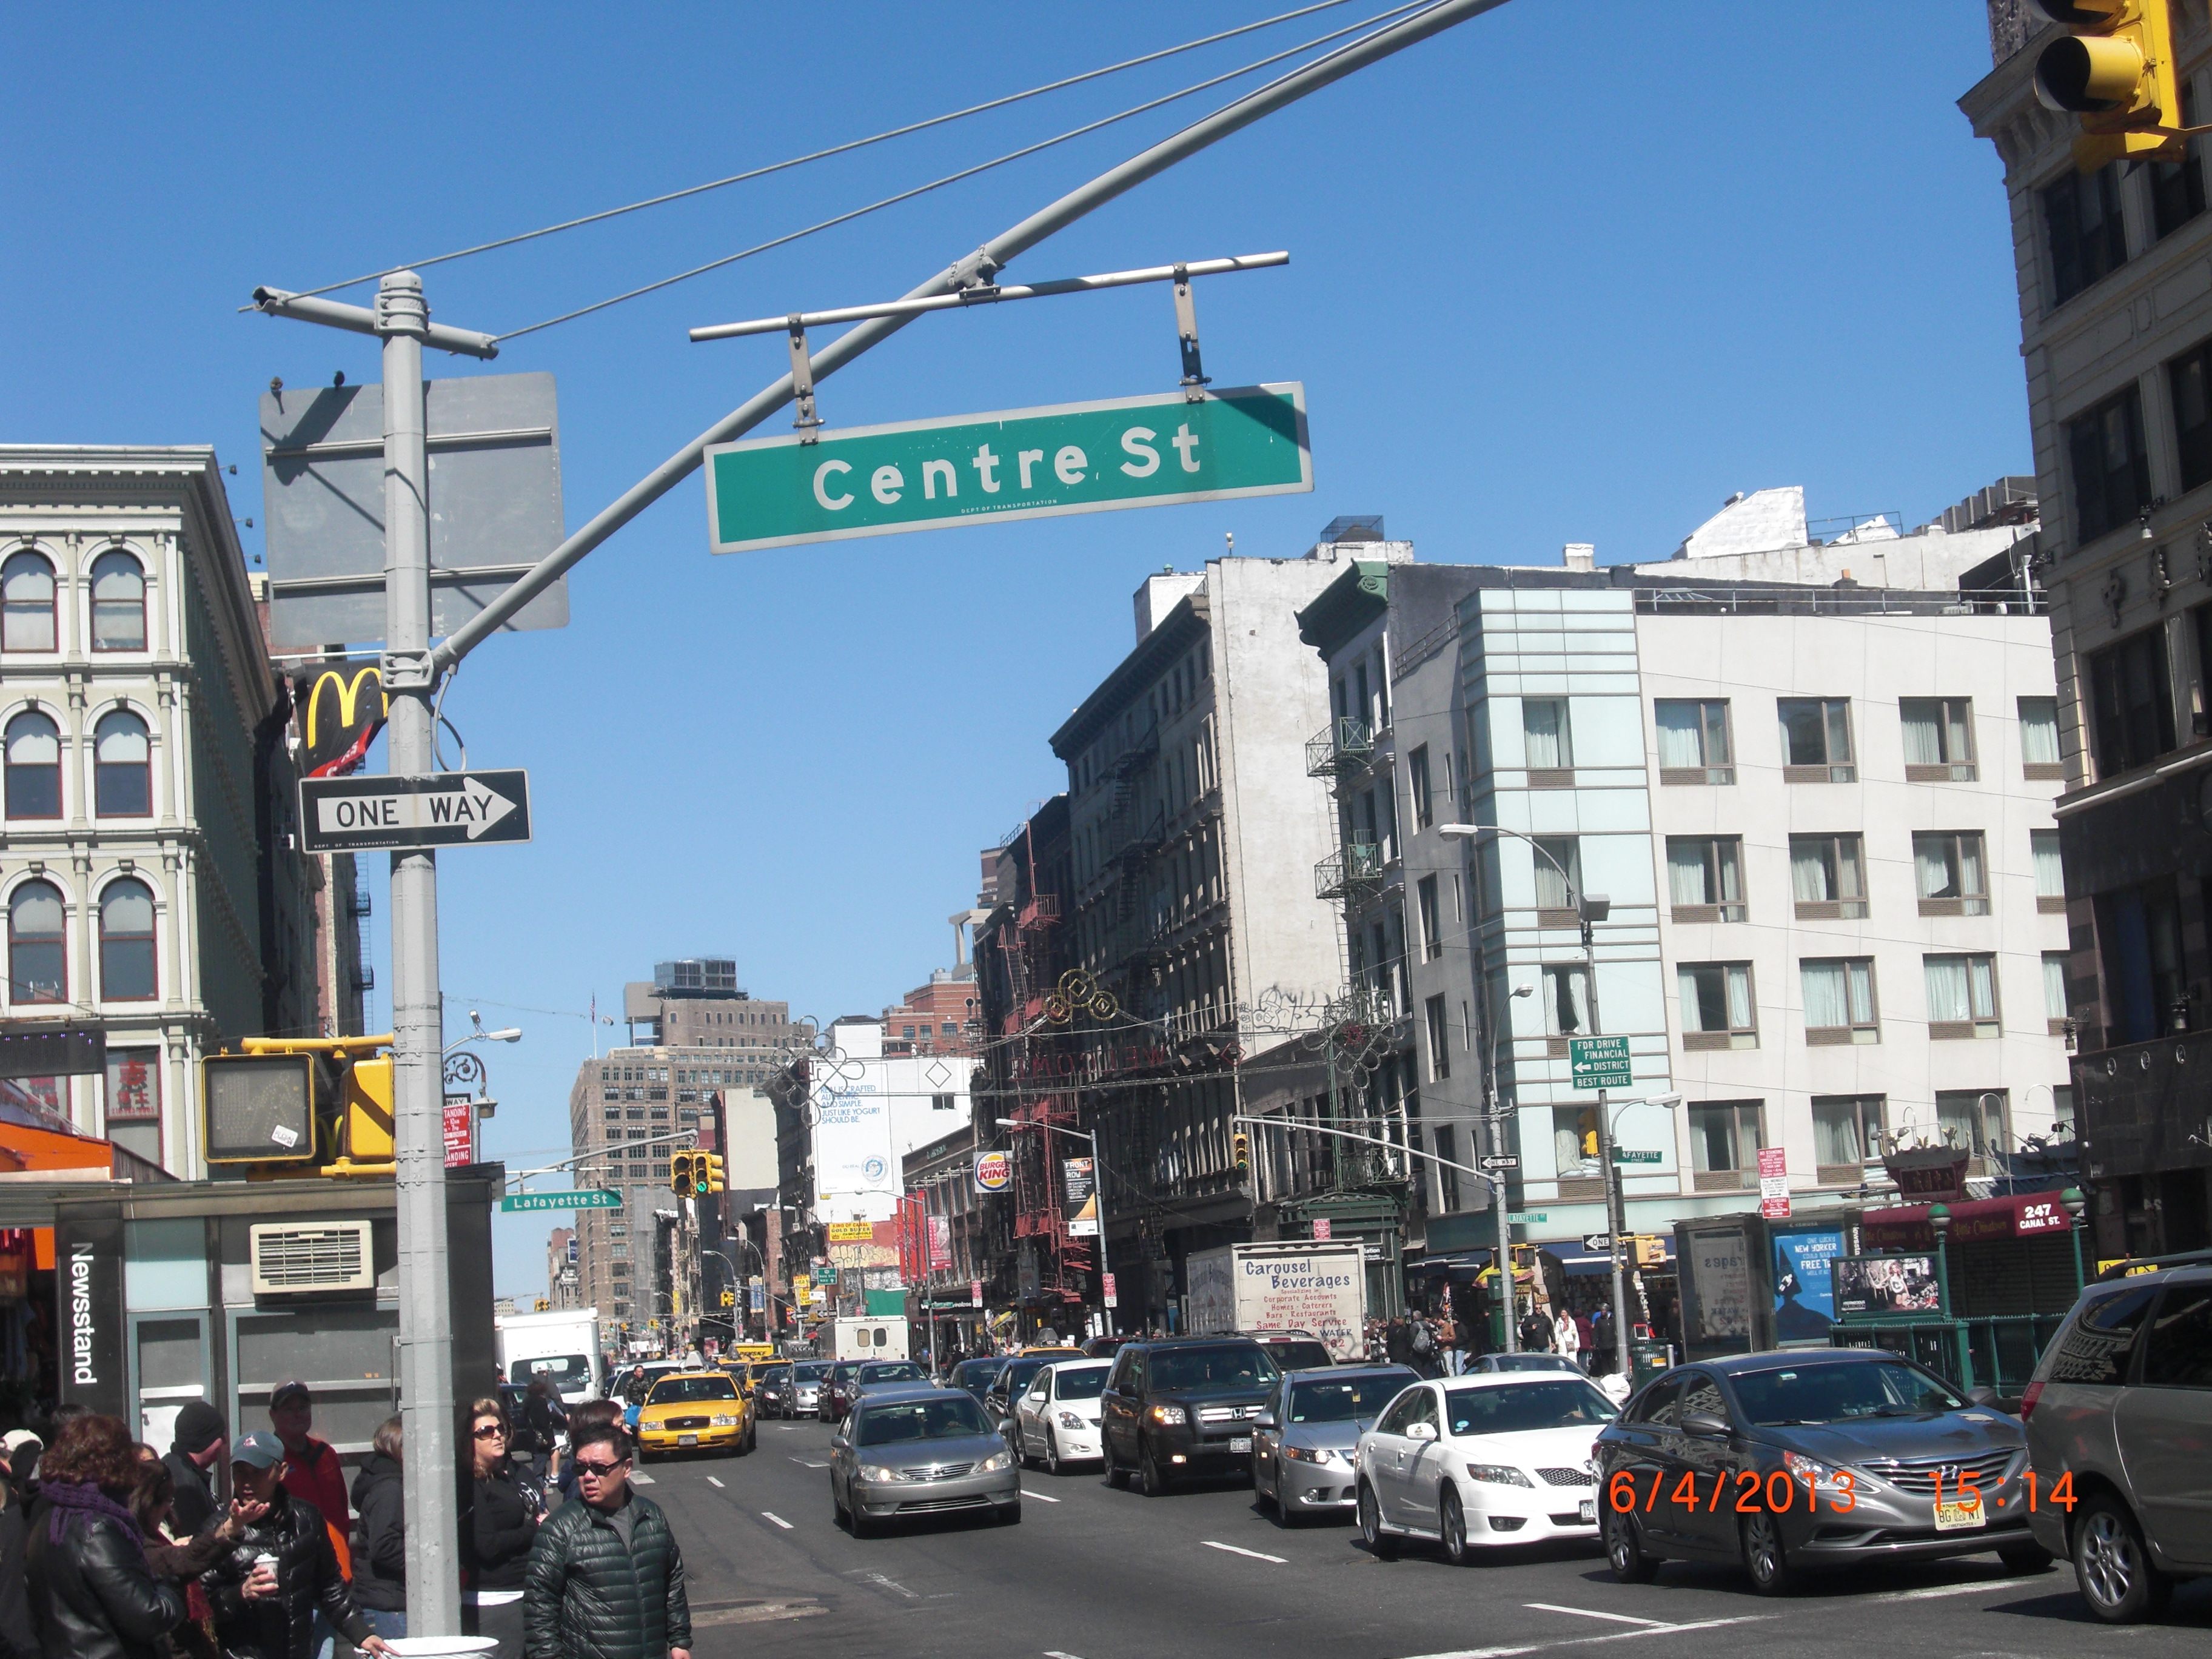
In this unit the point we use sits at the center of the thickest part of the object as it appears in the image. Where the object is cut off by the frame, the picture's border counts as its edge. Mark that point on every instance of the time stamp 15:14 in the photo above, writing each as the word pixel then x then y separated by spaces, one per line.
pixel 1778 1493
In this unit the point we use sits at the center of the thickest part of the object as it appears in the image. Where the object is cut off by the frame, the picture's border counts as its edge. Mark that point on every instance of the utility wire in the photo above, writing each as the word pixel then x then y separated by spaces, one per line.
pixel 835 149
pixel 1393 14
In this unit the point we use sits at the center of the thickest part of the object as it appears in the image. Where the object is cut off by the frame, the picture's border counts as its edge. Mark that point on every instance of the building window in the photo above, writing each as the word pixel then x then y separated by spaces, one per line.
pixel 2134 710
pixel 126 941
pixel 2176 188
pixel 2054 993
pixel 1447 1176
pixel 34 767
pixel 1546 740
pixel 1439 1038
pixel 2038 739
pixel 1566 1000
pixel 1952 874
pixel 2188 379
pixel 122 767
pixel 1725 1136
pixel 26 603
pixel 1847 1134
pixel 944 1102
pixel 1962 996
pixel 2111 469
pixel 2088 240
pixel 1816 740
pixel 1694 741
pixel 35 968
pixel 1973 1122
pixel 1704 878
pixel 118 602
pixel 1717 1011
pixel 1827 877
pixel 2049 871
pixel 1416 780
pixel 1559 861
pixel 2140 929
pixel 1839 999
pixel 1939 739
pixel 1432 932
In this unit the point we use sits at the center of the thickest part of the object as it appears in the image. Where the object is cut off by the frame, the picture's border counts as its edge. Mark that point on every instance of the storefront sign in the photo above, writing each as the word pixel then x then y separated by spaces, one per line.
pixel 88 1286
pixel 852 1232
pixel 993 1172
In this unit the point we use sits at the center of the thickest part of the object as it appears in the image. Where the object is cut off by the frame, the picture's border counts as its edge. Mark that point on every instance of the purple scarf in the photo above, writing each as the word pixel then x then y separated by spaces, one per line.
pixel 83 1499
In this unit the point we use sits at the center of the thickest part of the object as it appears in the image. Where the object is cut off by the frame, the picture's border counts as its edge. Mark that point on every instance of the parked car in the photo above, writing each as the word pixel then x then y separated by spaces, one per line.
pixel 917 1449
pixel 1183 1405
pixel 1294 1351
pixel 1306 1436
pixel 976 1376
pixel 806 1377
pixel 2115 1418
pixel 835 1393
pixel 1008 1386
pixel 1056 1416
pixel 1863 1433
pixel 701 1411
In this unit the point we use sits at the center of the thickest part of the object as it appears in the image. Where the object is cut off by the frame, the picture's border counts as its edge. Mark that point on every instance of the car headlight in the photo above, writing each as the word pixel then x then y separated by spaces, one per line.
pixel 724 1421
pixel 1309 1455
pixel 875 1473
pixel 1070 1420
pixel 1498 1474
pixel 1170 1414
pixel 995 1462
pixel 1823 1474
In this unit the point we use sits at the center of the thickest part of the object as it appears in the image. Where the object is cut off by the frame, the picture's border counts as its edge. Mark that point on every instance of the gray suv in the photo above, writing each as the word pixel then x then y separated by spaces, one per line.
pixel 2120 1422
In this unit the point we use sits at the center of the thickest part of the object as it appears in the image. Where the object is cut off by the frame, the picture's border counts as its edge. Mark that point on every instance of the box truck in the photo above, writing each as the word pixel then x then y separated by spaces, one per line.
pixel 1318 1288
pixel 561 1347
pixel 884 1337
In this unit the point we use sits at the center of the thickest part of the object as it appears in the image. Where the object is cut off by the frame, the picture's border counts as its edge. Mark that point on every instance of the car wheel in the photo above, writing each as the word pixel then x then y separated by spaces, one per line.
pixel 1624 1550
pixel 1116 1476
pixel 1155 1479
pixel 1764 1557
pixel 2113 1567
pixel 1262 1493
pixel 2026 1557
pixel 1451 1521
pixel 1029 1460
pixel 837 1504
pixel 1382 1545
pixel 860 1523
pixel 1052 1453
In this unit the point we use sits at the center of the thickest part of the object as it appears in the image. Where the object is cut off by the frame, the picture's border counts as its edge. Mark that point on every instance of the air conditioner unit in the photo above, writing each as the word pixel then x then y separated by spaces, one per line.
pixel 332 1255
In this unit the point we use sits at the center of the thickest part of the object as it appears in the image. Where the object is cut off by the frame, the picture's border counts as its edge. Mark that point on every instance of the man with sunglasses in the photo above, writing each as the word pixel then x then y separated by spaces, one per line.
pixel 606 1579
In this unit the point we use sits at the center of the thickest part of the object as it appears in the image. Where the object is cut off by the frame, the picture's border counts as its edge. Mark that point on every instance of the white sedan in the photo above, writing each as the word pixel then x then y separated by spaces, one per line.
pixel 1056 1419
pixel 1478 1462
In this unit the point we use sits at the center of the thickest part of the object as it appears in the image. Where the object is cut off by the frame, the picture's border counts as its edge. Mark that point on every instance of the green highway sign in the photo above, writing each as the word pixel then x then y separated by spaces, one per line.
pixel 1016 464
pixel 1630 1155
pixel 1600 1062
pixel 594 1198
pixel 1533 1219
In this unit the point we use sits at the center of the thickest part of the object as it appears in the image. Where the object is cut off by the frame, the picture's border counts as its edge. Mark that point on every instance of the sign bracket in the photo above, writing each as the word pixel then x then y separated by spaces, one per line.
pixel 1194 374
pixel 802 380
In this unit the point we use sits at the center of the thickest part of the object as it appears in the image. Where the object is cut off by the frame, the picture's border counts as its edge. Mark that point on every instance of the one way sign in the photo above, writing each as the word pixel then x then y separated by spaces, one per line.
pixel 448 809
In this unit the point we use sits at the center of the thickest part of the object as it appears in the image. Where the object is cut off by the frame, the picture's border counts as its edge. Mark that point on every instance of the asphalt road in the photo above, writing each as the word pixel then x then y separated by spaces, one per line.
pixel 1092 1573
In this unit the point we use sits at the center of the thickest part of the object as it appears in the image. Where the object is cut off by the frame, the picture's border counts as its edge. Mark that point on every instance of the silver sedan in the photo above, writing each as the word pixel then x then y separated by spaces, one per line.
pixel 917 1450
pixel 1304 1440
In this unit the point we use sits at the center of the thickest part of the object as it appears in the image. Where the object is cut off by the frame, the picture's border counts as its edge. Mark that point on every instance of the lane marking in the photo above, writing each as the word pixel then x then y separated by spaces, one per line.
pixel 1589 1612
pixel 1592 1641
pixel 1934 1590
pixel 778 1519
pixel 1041 1497
pixel 891 1584
pixel 1235 1549
pixel 712 1482
pixel 1054 1653
pixel 805 1462
pixel 640 1478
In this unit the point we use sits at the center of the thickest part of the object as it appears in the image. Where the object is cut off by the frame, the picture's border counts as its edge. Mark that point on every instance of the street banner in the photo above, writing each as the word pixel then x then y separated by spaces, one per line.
pixel 1078 1174
pixel 940 1242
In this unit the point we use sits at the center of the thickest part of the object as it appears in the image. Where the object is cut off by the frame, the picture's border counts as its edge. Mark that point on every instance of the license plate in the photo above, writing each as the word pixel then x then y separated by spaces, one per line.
pixel 686 1439
pixel 1587 1514
pixel 1960 1517
pixel 1243 1443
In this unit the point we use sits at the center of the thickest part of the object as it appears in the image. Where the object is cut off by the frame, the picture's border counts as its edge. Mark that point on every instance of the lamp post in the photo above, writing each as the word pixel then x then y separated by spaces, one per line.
pixel 2074 1201
pixel 1939 1223
pixel 1494 1123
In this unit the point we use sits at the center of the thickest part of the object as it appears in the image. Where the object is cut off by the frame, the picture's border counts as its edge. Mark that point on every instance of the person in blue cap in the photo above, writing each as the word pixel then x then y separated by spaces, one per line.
pixel 282 1570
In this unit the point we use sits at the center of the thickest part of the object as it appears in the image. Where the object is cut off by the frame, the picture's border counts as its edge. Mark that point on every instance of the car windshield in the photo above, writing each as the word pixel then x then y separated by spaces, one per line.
pixel 811 1372
pixel 892 1370
pixel 1245 1366
pixel 562 1370
pixel 1528 1362
pixel 670 1389
pixel 1569 1403
pixel 1299 1356
pixel 1840 1393
pixel 1348 1400
pixel 947 1417
pixel 1087 1384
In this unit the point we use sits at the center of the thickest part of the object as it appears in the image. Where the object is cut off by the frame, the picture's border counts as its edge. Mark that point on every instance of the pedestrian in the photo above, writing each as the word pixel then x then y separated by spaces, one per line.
pixel 19 1637
pixel 1397 1343
pixel 592 1411
pixel 544 1419
pixel 380 1551
pixel 634 1390
pixel 313 1471
pixel 505 1510
pixel 1568 1340
pixel 605 1578
pixel 1447 1342
pixel 276 1608
pixel 1536 1332
pixel 176 1555
pixel 196 1450
pixel 93 1594
pixel 19 1450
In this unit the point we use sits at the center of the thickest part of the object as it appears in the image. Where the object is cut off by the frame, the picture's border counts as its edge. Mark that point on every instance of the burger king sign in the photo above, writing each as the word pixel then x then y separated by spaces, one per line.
pixel 992 1171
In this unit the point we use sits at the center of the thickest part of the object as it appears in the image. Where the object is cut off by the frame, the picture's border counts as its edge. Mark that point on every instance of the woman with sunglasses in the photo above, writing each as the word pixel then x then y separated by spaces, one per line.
pixel 505 1510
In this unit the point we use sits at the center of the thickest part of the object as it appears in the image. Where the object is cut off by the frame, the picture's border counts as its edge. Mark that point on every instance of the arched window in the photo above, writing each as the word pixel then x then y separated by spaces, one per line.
pixel 126 942
pixel 26 603
pixel 34 767
pixel 122 769
pixel 118 602
pixel 36 972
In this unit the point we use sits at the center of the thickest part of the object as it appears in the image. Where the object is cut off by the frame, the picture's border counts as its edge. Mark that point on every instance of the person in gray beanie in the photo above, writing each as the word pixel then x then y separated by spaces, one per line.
pixel 194 1454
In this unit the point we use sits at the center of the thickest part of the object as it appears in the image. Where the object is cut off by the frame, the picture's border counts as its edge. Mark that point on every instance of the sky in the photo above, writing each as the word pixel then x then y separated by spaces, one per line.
pixel 1569 272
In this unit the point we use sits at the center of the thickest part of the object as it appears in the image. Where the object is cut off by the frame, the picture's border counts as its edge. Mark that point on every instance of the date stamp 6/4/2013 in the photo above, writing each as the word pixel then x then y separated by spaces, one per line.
pixel 1746 1492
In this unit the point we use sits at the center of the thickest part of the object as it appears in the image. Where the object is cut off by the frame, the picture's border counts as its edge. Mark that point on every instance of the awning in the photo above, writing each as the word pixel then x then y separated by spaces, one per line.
pixel 1973 1220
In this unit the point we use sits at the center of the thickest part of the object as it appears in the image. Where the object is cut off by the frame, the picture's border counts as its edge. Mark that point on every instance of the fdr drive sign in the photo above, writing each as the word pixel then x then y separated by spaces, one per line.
pixel 1017 463
pixel 447 809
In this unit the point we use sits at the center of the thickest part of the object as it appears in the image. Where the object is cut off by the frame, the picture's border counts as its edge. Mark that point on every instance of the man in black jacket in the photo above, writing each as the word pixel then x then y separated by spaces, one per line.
pixel 197 1448
pixel 605 1578
pixel 263 1611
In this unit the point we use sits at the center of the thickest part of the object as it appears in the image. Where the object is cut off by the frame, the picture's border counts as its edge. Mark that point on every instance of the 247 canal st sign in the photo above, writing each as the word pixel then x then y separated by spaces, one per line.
pixel 446 809
pixel 1017 463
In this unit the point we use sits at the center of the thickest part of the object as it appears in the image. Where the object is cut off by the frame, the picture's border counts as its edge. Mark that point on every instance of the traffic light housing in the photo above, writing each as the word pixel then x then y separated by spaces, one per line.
pixel 1240 1151
pixel 679 1172
pixel 1650 1251
pixel 706 1174
pixel 2116 69
pixel 261 1108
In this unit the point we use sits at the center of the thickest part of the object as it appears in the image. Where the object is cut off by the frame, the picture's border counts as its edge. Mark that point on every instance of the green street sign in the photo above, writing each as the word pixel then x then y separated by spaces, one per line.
pixel 1630 1155
pixel 825 1275
pixel 1600 1062
pixel 594 1198
pixel 1532 1218
pixel 1016 464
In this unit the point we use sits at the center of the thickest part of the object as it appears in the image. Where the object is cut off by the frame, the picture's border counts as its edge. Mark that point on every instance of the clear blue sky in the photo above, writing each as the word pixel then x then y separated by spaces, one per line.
pixel 1570 272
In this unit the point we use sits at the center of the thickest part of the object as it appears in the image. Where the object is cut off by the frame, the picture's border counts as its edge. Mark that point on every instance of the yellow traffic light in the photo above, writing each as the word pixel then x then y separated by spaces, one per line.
pixel 2115 68
pixel 368 1121
pixel 1650 1252
pixel 1240 1151
pixel 706 1173
pixel 679 1173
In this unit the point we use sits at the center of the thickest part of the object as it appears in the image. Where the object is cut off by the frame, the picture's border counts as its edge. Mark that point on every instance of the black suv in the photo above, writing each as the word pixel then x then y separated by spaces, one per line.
pixel 1183 1406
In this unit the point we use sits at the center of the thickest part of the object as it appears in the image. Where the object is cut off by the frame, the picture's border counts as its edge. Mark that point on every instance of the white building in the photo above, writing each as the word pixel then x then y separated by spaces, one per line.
pixel 867 1110
pixel 144 854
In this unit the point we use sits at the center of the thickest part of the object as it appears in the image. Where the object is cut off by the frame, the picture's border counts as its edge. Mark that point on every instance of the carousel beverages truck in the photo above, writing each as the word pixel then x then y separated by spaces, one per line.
pixel 561 1347
pixel 1319 1288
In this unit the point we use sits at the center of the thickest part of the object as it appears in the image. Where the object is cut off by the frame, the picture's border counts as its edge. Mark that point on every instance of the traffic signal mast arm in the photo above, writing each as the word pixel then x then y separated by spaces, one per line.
pixel 1372 1140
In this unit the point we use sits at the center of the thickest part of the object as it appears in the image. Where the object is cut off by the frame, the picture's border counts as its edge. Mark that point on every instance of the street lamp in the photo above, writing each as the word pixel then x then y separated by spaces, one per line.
pixel 1496 1020
pixel 1616 1209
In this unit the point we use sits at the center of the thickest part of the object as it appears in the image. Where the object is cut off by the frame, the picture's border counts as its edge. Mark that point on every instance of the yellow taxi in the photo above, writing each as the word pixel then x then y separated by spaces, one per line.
pixel 695 1411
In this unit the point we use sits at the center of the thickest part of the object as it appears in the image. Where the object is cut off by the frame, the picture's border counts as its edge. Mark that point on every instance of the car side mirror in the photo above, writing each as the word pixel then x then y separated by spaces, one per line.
pixel 838 1443
pixel 1420 1432
pixel 1264 1420
pixel 1982 1396
pixel 1704 1425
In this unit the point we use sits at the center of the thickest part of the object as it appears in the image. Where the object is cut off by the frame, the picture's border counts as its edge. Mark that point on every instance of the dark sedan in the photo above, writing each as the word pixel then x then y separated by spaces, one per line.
pixel 1790 1462
pixel 1012 1382
pixel 977 1376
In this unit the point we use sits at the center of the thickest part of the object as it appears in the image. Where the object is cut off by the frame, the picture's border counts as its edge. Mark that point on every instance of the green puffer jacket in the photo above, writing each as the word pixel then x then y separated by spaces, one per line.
pixel 587 1597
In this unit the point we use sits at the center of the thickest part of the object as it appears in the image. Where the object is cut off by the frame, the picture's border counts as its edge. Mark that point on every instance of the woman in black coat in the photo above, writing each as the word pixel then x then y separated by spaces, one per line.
pixel 504 1508
pixel 93 1594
